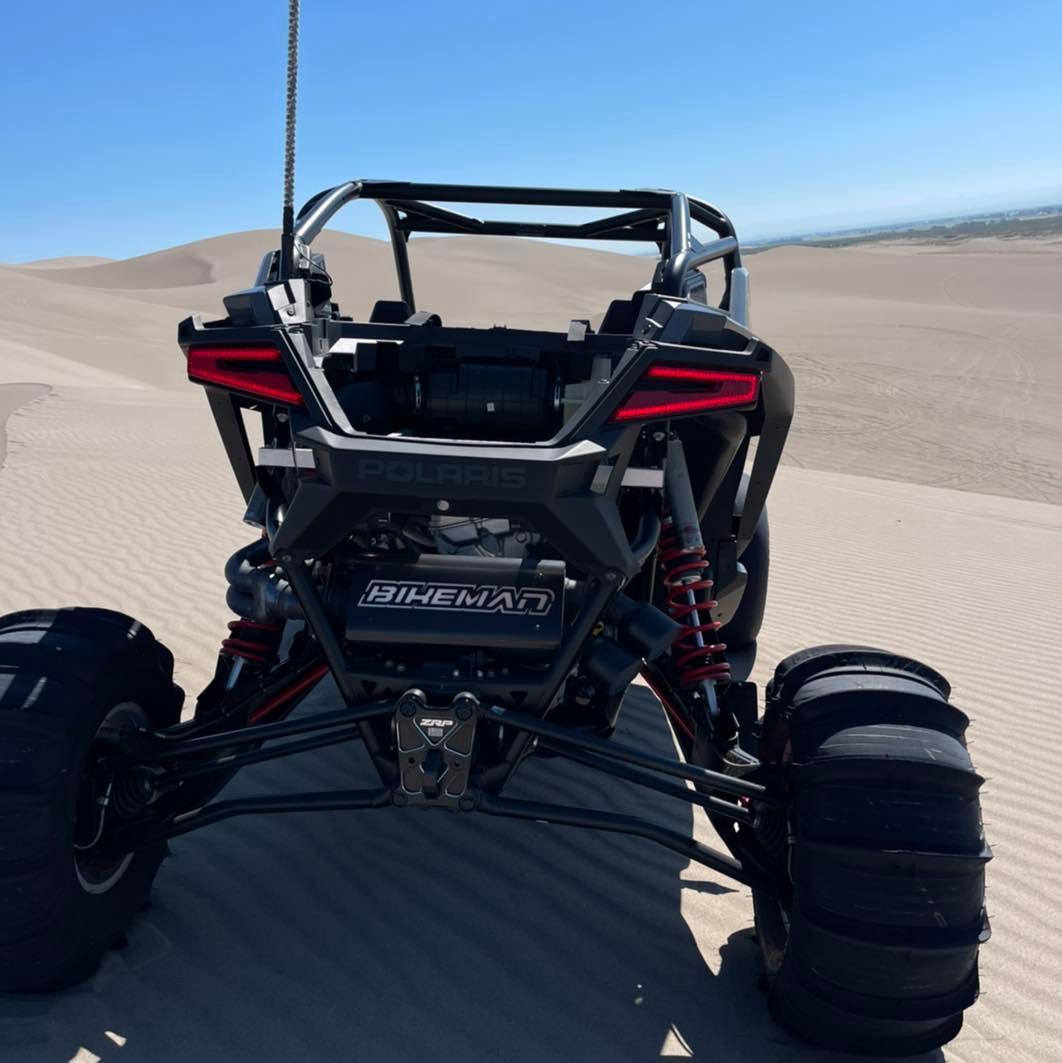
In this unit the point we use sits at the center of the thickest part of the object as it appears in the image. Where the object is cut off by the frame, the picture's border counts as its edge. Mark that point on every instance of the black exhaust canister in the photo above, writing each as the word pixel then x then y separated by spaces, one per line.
pixel 490 602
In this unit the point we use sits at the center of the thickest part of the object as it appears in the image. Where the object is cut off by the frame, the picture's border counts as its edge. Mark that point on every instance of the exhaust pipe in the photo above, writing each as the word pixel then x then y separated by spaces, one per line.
pixel 259 593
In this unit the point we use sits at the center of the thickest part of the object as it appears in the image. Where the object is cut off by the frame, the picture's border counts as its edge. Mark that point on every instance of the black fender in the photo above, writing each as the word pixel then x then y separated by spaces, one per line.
pixel 743 599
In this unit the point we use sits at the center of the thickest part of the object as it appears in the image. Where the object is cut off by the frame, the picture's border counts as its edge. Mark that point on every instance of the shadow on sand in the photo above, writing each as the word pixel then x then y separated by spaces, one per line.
pixel 389 935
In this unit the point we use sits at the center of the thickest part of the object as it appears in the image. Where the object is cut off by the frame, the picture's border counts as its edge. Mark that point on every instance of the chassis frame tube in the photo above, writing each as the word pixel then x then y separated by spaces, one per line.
pixel 679 252
pixel 284 684
pixel 247 736
pixel 489 804
pixel 563 815
pixel 233 761
pixel 301 580
pixel 321 801
pixel 317 619
pixel 495 776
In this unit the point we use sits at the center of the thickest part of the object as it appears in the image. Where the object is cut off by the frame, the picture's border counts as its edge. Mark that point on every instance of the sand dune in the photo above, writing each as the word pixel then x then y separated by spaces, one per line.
pixel 388 936
pixel 12 397
pixel 468 281
pixel 940 366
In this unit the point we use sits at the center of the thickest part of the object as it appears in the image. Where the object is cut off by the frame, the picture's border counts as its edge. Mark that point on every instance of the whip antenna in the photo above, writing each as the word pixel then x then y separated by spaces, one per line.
pixel 287 238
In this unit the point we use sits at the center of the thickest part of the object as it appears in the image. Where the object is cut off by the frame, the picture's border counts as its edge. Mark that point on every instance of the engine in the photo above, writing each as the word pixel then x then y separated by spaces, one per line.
pixel 452 600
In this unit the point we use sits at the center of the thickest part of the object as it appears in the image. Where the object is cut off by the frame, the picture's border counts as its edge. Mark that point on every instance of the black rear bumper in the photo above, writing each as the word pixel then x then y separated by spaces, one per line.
pixel 566 493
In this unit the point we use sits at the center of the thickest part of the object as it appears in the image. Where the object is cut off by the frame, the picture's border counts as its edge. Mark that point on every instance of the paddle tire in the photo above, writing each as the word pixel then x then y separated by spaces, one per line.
pixel 875 949
pixel 70 681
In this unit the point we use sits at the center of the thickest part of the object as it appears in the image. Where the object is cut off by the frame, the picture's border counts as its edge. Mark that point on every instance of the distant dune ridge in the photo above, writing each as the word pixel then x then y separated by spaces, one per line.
pixel 66 262
pixel 920 370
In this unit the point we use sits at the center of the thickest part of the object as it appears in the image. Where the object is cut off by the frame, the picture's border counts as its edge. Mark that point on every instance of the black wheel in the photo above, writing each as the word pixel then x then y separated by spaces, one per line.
pixel 875 948
pixel 70 681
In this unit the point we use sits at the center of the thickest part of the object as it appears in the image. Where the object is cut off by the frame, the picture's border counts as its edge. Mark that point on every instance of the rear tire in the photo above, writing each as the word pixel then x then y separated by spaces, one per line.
pixel 875 951
pixel 69 679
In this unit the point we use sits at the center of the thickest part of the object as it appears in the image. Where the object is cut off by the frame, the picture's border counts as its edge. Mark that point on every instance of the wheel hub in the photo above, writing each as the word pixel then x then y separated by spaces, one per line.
pixel 97 872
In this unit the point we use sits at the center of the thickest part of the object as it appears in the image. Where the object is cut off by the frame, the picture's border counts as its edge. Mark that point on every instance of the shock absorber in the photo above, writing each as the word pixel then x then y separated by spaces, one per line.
pixel 251 641
pixel 698 656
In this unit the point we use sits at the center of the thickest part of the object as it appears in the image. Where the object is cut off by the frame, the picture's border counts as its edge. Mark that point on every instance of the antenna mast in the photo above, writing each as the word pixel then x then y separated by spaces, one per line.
pixel 287 238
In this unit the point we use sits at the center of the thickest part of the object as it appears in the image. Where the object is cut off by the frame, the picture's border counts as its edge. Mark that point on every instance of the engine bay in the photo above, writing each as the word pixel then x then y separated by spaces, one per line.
pixel 510 393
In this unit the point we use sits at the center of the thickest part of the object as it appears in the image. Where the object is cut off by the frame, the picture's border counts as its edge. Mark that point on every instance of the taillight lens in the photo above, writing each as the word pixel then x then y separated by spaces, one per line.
pixel 691 391
pixel 258 372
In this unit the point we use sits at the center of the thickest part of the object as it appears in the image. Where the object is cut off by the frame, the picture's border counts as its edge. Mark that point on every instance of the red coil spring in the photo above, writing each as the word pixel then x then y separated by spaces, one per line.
pixel 695 663
pixel 252 641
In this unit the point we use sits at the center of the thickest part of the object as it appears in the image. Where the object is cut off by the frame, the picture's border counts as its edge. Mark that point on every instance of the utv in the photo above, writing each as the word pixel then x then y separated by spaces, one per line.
pixel 484 536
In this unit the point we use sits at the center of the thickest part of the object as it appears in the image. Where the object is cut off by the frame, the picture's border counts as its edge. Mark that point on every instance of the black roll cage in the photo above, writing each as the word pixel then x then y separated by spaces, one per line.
pixel 651 216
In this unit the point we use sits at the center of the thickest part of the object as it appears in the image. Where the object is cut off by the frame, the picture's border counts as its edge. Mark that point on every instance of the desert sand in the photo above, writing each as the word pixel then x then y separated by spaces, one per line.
pixel 919 508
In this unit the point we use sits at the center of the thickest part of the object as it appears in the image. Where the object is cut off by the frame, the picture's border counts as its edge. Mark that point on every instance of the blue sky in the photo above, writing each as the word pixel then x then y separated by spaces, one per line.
pixel 134 126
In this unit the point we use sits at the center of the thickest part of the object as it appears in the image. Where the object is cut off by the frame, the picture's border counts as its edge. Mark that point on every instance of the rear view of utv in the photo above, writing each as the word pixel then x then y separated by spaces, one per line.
pixel 484 536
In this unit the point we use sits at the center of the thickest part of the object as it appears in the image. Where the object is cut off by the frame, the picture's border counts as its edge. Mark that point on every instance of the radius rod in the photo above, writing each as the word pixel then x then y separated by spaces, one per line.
pixel 250 736
pixel 559 738
pixel 721 807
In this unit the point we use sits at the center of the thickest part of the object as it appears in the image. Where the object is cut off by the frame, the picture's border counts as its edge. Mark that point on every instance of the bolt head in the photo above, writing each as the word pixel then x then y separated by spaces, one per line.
pixel 442 505
pixel 399 798
pixel 467 803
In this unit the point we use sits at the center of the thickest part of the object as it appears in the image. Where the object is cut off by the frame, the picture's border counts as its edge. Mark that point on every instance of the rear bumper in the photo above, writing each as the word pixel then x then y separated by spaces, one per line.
pixel 566 493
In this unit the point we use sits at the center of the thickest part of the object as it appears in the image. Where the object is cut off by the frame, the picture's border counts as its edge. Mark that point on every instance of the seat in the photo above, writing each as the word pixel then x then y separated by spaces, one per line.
pixel 390 312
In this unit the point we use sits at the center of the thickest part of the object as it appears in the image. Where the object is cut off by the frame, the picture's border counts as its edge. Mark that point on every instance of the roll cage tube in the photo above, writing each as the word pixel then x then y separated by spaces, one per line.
pixel 648 215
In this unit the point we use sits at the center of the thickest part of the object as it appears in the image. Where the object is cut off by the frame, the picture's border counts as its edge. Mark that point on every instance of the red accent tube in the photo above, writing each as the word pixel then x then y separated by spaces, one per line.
pixel 673 714
pixel 303 683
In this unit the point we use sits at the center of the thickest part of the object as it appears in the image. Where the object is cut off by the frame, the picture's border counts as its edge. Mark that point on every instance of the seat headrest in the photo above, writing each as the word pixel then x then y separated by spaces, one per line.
pixel 622 314
pixel 389 312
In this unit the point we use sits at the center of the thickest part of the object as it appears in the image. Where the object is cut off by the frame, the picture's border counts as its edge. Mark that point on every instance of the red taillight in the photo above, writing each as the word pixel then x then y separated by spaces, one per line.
pixel 255 371
pixel 695 391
